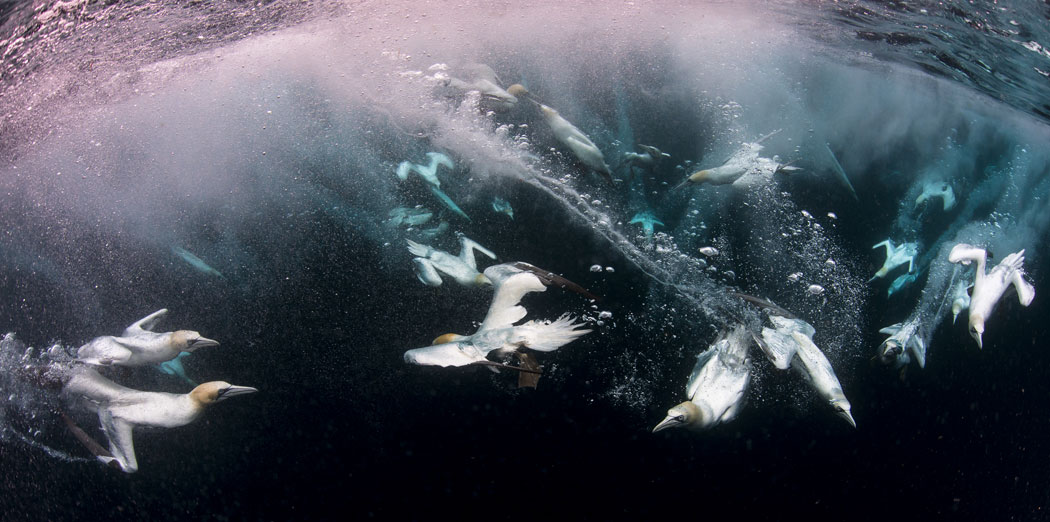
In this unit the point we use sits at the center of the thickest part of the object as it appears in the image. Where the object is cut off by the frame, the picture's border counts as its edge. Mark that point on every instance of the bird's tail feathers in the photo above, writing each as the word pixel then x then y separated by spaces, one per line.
pixel 547 337
pixel 417 249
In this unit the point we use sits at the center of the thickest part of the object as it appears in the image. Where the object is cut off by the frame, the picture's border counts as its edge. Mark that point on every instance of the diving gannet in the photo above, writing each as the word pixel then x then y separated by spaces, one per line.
pixel 498 334
pixel 174 367
pixel 937 189
pixel 502 206
pixel 140 345
pixel 896 256
pixel 121 409
pixel 716 386
pixel 648 159
pixel 197 263
pixel 648 222
pixel 463 268
pixel 428 173
pixel 989 287
pixel 904 341
pixel 960 294
pixel 568 135
pixel 790 343
pixel 482 79
pixel 744 168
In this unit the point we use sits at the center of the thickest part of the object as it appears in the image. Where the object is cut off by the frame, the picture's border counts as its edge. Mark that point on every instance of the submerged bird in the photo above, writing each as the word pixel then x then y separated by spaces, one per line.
pixel 568 135
pixel 502 206
pixel 901 281
pixel 648 222
pixel 716 386
pixel 960 293
pixel 174 367
pixel 896 256
pixel 744 168
pixel 790 344
pixel 498 335
pixel 462 268
pixel 989 287
pixel 648 159
pixel 121 409
pixel 937 189
pixel 480 78
pixel 904 343
pixel 140 345
pixel 428 173
pixel 840 172
pixel 196 262
pixel 409 216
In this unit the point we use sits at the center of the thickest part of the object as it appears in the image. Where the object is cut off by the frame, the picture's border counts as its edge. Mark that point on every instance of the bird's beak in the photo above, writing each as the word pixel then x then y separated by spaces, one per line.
pixel 669 422
pixel 201 342
pixel 234 391
pixel 849 418
pixel 682 184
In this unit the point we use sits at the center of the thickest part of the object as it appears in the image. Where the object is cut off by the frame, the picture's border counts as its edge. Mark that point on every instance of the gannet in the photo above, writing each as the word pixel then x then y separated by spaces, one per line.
pixel 901 281
pixel 502 206
pixel 409 216
pixel 482 79
pixel 960 295
pixel 568 135
pixel 174 367
pixel 716 386
pixel 428 173
pixel 903 343
pixel 121 409
pixel 937 189
pixel 139 345
pixel 896 256
pixel 790 343
pixel 498 334
pixel 194 261
pixel 648 159
pixel 744 168
pixel 840 172
pixel 648 222
pixel 989 287
pixel 463 268
pixel 821 376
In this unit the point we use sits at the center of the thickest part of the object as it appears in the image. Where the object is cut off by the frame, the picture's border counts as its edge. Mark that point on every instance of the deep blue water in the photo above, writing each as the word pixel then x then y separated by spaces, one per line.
pixel 264 138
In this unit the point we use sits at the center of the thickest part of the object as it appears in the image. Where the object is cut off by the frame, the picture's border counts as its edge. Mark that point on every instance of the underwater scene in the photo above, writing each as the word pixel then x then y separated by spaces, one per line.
pixel 494 260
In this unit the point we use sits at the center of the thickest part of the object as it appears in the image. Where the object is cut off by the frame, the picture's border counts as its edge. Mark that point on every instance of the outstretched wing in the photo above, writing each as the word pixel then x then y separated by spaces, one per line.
pixel 145 324
pixel 120 442
pixel 511 285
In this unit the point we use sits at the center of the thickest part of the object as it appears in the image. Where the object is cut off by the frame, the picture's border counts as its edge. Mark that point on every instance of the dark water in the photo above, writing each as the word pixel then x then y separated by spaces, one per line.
pixel 264 138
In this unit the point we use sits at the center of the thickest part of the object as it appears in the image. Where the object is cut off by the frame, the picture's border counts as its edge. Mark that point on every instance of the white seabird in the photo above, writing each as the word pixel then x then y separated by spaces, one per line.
pixel 498 334
pixel 568 135
pixel 140 345
pixel 937 189
pixel 462 268
pixel 717 385
pixel 896 256
pixel 743 169
pixel 989 287
pixel 121 409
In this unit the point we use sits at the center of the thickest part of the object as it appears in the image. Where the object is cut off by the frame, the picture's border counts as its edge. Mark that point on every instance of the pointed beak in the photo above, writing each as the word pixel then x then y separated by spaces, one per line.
pixel 234 391
pixel 201 342
pixel 977 337
pixel 849 418
pixel 682 184
pixel 669 422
